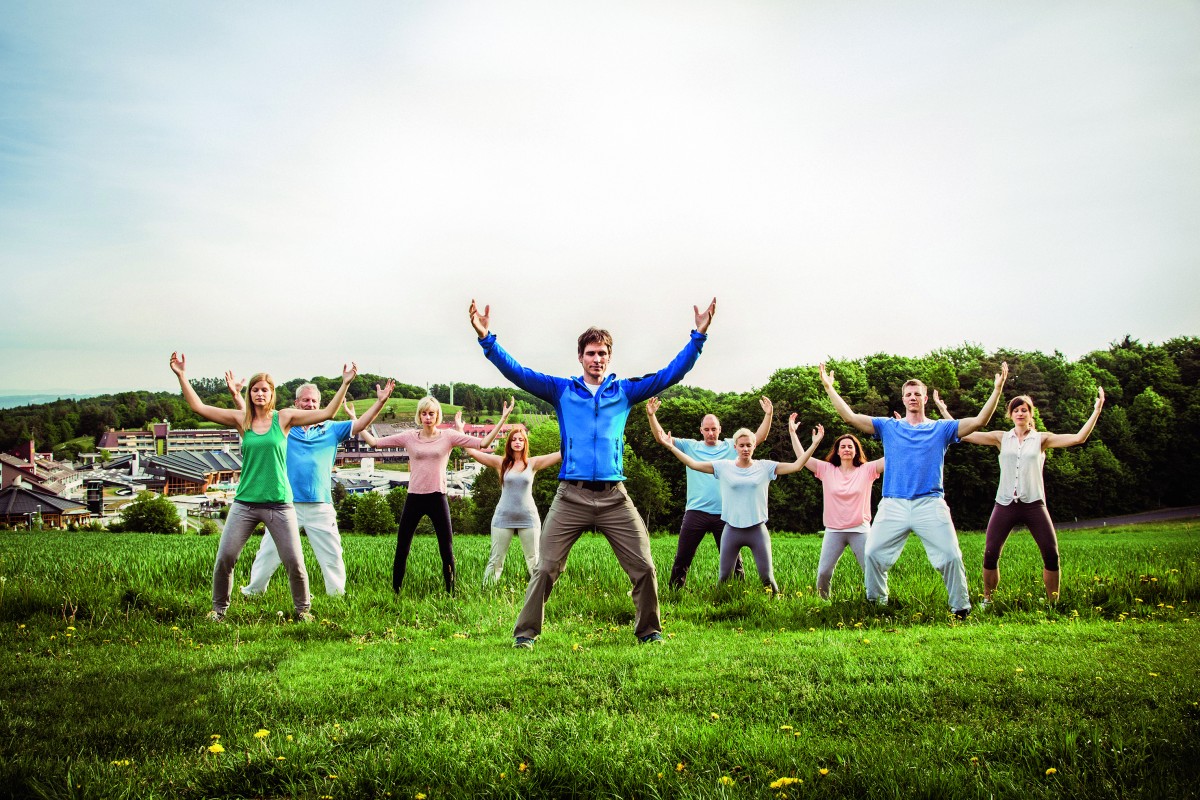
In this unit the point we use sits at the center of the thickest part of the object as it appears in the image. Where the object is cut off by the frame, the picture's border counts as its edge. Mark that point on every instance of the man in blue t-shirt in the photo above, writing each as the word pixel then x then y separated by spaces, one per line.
pixel 702 514
pixel 311 451
pixel 915 448
pixel 592 410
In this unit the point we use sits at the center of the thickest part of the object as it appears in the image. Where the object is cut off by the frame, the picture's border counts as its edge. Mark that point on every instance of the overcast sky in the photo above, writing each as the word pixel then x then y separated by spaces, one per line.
pixel 285 186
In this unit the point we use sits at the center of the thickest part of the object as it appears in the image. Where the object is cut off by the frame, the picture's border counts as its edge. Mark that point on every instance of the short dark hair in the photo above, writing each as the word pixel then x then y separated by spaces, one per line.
pixel 595 335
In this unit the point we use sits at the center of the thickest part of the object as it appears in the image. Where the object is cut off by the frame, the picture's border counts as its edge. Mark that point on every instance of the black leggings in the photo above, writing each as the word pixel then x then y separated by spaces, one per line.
pixel 437 509
pixel 1033 515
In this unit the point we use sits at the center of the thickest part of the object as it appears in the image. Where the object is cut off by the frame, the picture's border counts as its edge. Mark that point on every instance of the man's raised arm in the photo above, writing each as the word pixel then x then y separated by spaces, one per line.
pixel 858 421
pixel 971 424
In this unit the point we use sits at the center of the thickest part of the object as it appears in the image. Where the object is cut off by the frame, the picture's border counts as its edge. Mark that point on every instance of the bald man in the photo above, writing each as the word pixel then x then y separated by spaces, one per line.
pixel 703 511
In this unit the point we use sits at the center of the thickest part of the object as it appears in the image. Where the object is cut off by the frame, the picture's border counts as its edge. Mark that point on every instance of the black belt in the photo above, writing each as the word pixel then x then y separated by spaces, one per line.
pixel 594 486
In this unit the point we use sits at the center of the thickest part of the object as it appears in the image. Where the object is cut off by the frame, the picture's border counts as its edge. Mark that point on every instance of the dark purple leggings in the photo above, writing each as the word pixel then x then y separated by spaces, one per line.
pixel 1032 515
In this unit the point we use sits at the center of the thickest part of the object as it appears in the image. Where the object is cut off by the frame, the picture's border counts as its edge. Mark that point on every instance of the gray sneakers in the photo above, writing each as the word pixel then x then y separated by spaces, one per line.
pixel 523 643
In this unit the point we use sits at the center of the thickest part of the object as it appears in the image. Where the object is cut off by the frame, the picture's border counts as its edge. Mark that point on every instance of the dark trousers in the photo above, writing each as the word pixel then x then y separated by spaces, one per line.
pixel 1032 515
pixel 435 507
pixel 691 533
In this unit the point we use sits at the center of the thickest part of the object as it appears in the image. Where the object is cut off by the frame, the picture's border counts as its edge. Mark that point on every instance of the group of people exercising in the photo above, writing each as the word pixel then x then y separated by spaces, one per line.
pixel 288 454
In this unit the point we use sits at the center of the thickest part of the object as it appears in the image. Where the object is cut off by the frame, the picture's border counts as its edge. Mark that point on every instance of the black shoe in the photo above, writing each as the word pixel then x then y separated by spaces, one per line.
pixel 961 613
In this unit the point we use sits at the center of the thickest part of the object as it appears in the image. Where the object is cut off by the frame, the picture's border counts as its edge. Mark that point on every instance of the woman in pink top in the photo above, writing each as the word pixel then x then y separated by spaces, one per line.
pixel 846 477
pixel 428 454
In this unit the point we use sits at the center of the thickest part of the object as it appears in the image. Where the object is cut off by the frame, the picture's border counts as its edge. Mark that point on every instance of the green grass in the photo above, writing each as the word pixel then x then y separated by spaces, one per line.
pixel 104 658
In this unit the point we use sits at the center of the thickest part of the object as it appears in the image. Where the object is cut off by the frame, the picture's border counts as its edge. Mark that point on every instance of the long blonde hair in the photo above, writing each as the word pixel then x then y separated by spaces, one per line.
pixel 255 378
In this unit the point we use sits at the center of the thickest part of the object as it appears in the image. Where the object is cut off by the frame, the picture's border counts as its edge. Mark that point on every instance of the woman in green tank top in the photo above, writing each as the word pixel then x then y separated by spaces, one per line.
pixel 263 494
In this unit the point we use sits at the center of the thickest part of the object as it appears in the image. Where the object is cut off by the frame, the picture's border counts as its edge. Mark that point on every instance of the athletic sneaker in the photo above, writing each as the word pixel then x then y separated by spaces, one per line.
pixel 305 616
pixel 652 638
pixel 985 605
pixel 523 643
pixel 247 593
pixel 213 616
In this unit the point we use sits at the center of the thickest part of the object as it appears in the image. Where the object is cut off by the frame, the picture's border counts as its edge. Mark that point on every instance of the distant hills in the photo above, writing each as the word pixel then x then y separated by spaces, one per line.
pixel 14 400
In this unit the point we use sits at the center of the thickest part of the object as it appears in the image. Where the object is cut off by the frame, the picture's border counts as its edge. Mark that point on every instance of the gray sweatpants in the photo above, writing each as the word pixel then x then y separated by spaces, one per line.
pixel 832 545
pixel 759 541
pixel 281 525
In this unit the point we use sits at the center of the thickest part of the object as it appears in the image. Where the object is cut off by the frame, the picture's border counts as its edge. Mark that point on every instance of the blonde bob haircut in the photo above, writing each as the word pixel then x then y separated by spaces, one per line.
pixel 427 402
pixel 740 432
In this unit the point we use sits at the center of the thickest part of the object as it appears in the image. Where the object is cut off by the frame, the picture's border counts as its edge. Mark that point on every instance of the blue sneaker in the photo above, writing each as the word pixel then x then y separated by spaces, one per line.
pixel 652 638
pixel 523 643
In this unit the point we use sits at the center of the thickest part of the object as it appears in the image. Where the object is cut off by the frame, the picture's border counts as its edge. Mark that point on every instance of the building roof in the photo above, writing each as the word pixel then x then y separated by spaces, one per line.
pixel 29 500
pixel 194 466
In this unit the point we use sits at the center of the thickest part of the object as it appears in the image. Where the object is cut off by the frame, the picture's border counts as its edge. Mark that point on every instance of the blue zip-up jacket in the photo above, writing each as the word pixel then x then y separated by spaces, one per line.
pixel 593 427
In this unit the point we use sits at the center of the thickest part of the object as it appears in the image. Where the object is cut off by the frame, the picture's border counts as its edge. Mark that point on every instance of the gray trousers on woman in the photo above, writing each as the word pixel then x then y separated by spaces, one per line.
pixel 759 541
pixel 832 545
pixel 280 521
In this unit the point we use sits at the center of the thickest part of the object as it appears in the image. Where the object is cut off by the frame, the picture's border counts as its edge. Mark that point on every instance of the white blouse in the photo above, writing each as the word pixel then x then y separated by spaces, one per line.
pixel 1021 465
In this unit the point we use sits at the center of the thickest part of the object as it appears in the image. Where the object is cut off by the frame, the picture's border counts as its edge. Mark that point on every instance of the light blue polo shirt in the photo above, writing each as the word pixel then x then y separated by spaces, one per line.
pixel 310 456
pixel 703 493
pixel 915 454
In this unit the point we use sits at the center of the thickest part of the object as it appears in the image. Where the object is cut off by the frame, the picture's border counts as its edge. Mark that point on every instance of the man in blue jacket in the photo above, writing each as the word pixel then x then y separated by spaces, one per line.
pixel 592 410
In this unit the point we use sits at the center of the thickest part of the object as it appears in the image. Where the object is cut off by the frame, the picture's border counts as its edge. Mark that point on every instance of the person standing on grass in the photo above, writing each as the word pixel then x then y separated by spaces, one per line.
pixel 1021 495
pixel 516 514
pixel 915 449
pixel 846 477
pixel 592 410
pixel 702 513
pixel 311 452
pixel 428 455
pixel 263 493
pixel 743 484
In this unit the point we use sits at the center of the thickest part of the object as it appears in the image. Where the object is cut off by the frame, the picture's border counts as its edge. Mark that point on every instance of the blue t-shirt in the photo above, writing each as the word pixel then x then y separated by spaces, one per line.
pixel 914 455
pixel 744 491
pixel 310 456
pixel 703 493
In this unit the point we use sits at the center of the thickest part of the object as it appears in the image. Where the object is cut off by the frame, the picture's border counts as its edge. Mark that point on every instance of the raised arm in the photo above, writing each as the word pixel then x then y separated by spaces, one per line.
pixel 858 421
pixel 666 440
pixel 802 456
pixel 505 410
pixel 1072 439
pixel 222 416
pixel 652 406
pixel 545 387
pixel 290 417
pixel 703 320
pixel 381 398
pixel 764 427
pixel 547 460
pixel 972 424
pixel 992 438
pixel 642 388
pixel 363 432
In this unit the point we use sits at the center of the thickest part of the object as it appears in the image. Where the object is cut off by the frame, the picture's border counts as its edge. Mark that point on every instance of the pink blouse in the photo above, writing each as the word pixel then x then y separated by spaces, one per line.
pixel 427 460
pixel 847 496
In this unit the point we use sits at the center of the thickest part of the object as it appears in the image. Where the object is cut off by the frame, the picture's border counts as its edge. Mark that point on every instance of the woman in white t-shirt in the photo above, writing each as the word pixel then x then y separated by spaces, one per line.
pixel 743 483
pixel 1021 496
pixel 846 477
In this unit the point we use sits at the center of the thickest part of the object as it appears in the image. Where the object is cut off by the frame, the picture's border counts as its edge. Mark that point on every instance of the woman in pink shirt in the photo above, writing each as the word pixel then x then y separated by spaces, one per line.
pixel 428 454
pixel 846 477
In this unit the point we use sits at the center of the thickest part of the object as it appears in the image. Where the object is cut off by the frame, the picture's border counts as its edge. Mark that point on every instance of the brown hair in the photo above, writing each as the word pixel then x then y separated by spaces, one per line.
pixel 915 382
pixel 595 335
pixel 255 378
pixel 833 458
pixel 510 458
pixel 1021 399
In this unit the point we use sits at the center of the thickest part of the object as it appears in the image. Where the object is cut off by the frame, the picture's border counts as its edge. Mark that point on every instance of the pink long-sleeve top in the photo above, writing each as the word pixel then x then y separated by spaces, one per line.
pixel 427 460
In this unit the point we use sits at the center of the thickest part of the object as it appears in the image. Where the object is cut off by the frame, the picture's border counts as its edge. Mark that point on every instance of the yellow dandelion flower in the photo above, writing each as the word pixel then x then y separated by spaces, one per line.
pixel 174 627
pixel 1019 669
pixel 785 727
pixel 419 796
pixel 331 777
pixel 660 774
pixel 725 780
pixel 262 733
pixel 1153 674
pixel 823 771
pixel 280 758
pixel 1051 771
pixel 503 775
pixel 215 736
pixel 216 747
pixel 714 716
pixel 576 647
pixel 866 641
pixel 679 767
pixel 974 759
pixel 289 737
pixel 523 766
pixel 70 627
pixel 785 782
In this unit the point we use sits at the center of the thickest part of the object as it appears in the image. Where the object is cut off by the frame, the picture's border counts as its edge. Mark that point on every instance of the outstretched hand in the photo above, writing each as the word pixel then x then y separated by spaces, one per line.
pixel 1002 375
pixel 652 406
pixel 937 401
pixel 458 423
pixel 665 438
pixel 767 406
pixel 385 392
pixel 703 320
pixel 234 383
pixel 348 407
pixel 179 364
pixel 1099 397
pixel 480 322
pixel 349 372
pixel 826 377
pixel 818 433
pixel 793 422
pixel 506 408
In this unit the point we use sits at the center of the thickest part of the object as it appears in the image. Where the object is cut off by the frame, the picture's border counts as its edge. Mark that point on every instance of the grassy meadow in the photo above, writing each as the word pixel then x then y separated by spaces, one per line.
pixel 113 686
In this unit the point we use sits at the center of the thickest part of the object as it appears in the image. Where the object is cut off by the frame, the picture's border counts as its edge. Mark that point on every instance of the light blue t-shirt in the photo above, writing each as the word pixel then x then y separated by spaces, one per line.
pixel 310 456
pixel 703 493
pixel 914 455
pixel 744 491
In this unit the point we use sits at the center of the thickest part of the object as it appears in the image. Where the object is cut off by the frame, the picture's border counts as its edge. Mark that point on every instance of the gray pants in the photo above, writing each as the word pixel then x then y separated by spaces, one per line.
pixel 759 542
pixel 832 545
pixel 281 525
pixel 611 512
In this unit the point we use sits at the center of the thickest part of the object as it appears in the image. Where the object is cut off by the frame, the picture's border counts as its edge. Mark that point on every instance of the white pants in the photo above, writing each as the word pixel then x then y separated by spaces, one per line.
pixel 319 521
pixel 929 518
pixel 501 539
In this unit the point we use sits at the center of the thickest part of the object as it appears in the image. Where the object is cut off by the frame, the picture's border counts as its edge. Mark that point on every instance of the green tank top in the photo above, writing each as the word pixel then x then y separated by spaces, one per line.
pixel 264 466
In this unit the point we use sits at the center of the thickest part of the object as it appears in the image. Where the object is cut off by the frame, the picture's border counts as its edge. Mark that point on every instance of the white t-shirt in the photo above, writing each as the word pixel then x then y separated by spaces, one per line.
pixel 744 491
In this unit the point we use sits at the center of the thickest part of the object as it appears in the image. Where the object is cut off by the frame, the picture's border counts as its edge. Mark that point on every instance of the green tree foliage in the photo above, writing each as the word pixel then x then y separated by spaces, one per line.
pixel 150 513
pixel 345 512
pixel 373 516
pixel 395 500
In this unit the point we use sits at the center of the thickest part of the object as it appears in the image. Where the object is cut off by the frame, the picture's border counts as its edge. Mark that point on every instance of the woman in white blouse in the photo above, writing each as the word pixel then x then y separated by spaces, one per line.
pixel 1021 497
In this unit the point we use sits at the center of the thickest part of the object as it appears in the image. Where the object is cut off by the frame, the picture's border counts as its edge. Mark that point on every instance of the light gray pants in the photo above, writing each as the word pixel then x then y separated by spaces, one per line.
pixel 501 539
pixel 319 521
pixel 832 545
pixel 281 525
pixel 759 541
pixel 929 518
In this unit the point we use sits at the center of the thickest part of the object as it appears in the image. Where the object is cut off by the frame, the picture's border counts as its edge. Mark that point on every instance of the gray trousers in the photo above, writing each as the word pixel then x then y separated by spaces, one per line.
pixel 759 541
pixel 832 545
pixel 281 525
pixel 612 514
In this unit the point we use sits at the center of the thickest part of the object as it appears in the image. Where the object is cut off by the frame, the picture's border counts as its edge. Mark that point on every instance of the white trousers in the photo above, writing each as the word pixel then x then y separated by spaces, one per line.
pixel 501 539
pixel 319 521
pixel 929 518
